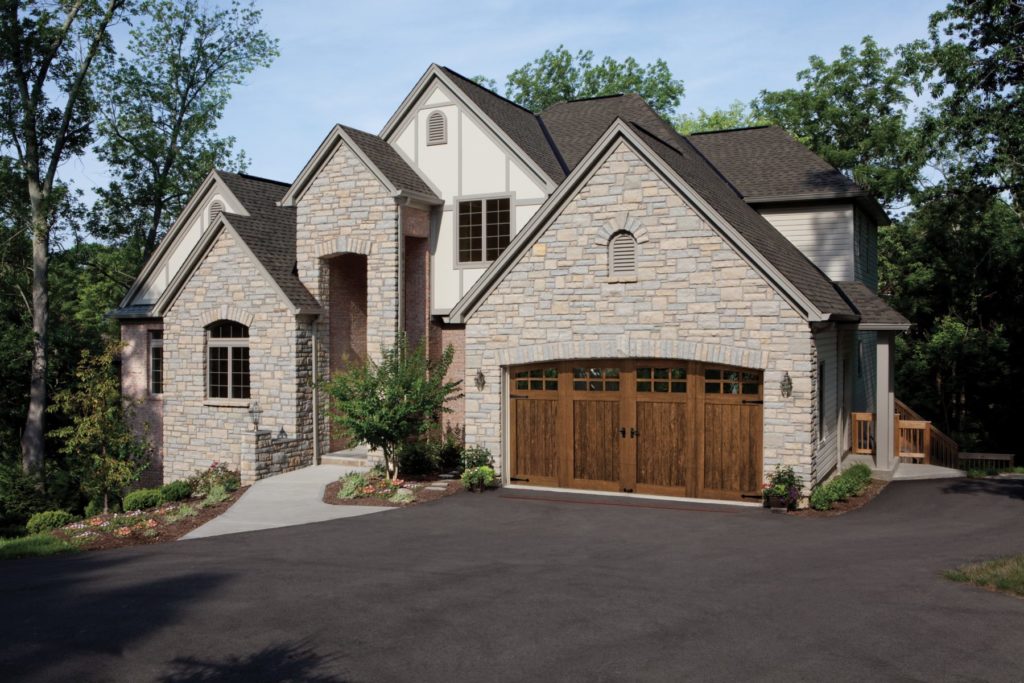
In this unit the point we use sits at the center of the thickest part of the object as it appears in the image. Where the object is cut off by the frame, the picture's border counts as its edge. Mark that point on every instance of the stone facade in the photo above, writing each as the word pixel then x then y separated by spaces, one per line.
pixel 695 298
pixel 147 408
pixel 198 431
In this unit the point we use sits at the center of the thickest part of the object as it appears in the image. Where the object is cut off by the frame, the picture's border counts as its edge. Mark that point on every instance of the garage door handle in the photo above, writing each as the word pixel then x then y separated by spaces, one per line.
pixel 622 431
pixel 633 433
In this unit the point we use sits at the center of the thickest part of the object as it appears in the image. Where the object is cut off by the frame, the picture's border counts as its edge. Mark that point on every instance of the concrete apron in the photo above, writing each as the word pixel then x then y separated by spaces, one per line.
pixel 285 500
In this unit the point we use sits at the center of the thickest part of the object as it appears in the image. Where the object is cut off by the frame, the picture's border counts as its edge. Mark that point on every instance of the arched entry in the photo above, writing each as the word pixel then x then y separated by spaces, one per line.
pixel 346 314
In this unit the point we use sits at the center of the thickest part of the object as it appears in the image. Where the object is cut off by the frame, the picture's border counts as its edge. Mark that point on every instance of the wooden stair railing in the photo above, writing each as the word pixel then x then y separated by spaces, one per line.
pixel 915 438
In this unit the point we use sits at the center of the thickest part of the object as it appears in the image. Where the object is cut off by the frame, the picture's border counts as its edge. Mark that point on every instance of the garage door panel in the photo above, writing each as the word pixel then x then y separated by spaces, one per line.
pixel 596 440
pixel 731 448
pixel 535 440
pixel 662 450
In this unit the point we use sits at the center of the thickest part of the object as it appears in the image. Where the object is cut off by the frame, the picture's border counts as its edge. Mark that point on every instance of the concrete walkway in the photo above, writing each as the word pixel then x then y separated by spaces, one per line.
pixel 285 500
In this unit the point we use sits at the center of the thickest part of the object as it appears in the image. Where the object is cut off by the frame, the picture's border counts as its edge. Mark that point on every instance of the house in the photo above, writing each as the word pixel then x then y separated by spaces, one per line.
pixel 632 310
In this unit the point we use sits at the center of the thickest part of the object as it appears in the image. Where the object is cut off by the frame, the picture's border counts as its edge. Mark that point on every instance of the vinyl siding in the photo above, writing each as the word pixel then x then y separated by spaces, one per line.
pixel 865 255
pixel 823 233
pixel 828 387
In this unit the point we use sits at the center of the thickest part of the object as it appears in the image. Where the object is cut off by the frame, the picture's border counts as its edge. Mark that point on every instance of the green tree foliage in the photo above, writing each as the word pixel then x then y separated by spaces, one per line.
pixel 102 451
pixel 48 54
pixel 558 75
pixel 854 112
pixel 388 404
pixel 736 115
pixel 161 100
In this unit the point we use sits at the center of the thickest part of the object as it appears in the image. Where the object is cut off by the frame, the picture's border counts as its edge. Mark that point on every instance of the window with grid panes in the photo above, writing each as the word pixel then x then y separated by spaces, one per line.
pixel 485 229
pixel 227 369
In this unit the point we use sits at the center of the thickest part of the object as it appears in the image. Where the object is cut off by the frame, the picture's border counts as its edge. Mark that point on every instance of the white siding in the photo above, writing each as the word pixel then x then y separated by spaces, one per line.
pixel 823 233
pixel 472 163
pixel 827 387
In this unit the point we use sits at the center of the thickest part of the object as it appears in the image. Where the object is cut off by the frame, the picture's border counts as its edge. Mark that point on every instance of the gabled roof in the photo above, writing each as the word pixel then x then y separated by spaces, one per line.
pixel 383 161
pixel 874 313
pixel 811 291
pixel 520 124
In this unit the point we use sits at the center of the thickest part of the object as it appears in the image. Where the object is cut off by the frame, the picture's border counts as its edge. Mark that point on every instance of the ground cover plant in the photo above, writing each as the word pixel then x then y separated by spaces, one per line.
pixel 1003 574
pixel 850 484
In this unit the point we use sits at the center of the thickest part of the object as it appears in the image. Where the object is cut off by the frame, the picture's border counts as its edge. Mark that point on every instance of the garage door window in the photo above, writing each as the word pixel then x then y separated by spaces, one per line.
pixel 595 379
pixel 538 379
pixel 719 381
pixel 661 380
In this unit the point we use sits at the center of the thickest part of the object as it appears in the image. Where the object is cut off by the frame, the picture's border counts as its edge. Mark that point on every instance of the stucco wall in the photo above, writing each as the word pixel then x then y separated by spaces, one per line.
pixel 199 431
pixel 694 298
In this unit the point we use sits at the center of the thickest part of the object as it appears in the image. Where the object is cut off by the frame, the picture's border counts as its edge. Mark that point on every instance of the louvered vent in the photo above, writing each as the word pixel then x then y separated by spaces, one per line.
pixel 622 255
pixel 437 129
pixel 216 209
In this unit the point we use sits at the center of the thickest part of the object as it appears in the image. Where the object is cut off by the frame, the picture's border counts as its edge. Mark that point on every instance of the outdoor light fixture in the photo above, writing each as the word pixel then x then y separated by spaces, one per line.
pixel 281 434
pixel 481 381
pixel 254 414
pixel 786 386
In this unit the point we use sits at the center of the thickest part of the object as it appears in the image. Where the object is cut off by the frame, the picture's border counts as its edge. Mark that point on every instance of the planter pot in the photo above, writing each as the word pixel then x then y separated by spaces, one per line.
pixel 778 502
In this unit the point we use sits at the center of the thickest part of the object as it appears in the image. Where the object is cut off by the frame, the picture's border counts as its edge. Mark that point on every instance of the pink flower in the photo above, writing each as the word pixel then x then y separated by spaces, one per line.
pixel 123 531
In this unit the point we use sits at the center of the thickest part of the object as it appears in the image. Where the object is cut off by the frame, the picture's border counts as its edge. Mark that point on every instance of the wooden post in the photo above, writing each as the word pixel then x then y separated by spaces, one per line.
pixel 927 444
pixel 887 423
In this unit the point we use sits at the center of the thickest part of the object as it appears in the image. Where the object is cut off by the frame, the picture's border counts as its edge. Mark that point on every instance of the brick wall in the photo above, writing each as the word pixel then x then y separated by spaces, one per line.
pixel 441 336
pixel 147 409
pixel 694 298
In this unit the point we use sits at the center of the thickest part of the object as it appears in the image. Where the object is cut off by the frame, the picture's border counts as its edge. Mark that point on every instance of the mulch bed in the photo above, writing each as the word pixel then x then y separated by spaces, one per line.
pixel 423 494
pixel 849 505
pixel 103 530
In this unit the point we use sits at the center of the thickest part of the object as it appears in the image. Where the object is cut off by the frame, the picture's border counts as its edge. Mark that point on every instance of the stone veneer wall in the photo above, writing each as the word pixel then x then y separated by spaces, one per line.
pixel 199 431
pixel 147 418
pixel 347 210
pixel 695 298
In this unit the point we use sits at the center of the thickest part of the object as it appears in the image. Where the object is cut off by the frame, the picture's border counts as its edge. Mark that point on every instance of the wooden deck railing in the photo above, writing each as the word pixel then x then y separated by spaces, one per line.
pixel 915 438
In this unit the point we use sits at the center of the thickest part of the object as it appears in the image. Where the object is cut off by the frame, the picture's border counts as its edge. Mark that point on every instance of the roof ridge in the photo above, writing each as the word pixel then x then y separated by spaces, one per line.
pixel 249 176
pixel 734 130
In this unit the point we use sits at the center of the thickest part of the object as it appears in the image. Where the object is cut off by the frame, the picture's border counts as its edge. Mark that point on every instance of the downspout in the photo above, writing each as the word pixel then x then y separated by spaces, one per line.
pixel 315 342
pixel 400 322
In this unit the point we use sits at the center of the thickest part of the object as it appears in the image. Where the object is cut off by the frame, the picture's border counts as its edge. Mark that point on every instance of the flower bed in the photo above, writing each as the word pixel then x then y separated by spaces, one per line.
pixel 372 488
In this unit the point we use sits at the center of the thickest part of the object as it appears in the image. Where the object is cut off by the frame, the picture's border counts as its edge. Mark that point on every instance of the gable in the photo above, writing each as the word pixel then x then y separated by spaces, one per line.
pixel 179 242
pixel 687 274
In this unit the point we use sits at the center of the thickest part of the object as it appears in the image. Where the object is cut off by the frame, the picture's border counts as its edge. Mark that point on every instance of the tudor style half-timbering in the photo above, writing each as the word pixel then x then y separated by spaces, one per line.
pixel 632 310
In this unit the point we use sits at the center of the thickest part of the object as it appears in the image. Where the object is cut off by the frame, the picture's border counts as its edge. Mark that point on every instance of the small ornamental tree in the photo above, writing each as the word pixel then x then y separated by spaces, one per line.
pixel 103 453
pixel 389 403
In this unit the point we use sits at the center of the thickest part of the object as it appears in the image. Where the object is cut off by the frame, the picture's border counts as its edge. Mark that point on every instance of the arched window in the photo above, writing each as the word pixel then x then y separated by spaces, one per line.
pixel 227 360
pixel 622 256
pixel 216 209
pixel 437 129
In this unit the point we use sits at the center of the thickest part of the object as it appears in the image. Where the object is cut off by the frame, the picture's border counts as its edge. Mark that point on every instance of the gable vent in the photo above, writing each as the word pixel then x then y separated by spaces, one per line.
pixel 622 255
pixel 437 129
pixel 216 208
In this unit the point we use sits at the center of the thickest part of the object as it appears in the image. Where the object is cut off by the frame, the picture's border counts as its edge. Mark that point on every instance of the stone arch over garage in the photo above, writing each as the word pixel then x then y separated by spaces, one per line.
pixel 633 348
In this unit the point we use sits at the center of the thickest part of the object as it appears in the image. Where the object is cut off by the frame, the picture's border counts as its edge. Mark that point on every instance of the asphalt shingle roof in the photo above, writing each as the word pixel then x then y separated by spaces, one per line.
pixel 872 309
pixel 768 162
pixel 269 231
pixel 389 162
pixel 523 126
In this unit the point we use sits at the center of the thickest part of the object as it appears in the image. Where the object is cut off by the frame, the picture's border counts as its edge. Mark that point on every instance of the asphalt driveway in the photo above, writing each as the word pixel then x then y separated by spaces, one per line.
pixel 514 586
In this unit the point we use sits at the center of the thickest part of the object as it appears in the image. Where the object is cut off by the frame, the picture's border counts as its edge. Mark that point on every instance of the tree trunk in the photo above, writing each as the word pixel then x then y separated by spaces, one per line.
pixel 32 443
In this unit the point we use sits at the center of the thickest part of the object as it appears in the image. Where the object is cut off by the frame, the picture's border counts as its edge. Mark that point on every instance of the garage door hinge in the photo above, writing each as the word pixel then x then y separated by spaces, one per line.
pixel 753 402
pixel 518 479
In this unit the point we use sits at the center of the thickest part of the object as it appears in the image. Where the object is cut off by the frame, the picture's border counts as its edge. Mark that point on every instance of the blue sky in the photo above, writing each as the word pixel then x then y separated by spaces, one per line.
pixel 354 63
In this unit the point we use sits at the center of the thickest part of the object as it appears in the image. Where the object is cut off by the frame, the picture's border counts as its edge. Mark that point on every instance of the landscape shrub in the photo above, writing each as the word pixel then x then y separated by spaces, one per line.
pixel 352 485
pixel 217 494
pixel 417 458
pixel 48 521
pixel 217 474
pixel 850 484
pixel 175 491
pixel 143 499
pixel 479 478
pixel 449 448
pixel 21 495
pixel 475 457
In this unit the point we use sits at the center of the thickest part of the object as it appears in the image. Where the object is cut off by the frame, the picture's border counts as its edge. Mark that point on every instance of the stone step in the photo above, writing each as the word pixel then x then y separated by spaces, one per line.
pixel 344 460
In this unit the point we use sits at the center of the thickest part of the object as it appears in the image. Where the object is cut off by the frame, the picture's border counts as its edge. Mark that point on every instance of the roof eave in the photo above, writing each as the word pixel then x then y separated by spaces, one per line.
pixel 861 197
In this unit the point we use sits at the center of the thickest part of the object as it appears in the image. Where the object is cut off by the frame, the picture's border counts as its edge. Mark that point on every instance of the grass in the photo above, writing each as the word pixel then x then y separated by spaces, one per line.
pixel 36 545
pixel 180 513
pixel 975 473
pixel 1002 574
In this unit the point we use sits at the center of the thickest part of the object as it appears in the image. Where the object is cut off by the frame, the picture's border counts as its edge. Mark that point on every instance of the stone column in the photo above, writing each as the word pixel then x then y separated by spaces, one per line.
pixel 885 403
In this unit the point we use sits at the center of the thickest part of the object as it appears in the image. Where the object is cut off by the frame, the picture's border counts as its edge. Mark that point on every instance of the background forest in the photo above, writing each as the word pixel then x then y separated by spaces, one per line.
pixel 934 128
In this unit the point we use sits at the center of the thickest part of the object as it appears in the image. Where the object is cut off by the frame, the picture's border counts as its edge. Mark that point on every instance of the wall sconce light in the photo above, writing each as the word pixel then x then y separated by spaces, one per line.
pixel 254 414
pixel 281 434
pixel 786 385
pixel 480 381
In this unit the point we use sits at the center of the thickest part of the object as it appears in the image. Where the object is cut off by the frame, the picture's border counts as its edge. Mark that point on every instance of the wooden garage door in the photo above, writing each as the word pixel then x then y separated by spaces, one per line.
pixel 650 426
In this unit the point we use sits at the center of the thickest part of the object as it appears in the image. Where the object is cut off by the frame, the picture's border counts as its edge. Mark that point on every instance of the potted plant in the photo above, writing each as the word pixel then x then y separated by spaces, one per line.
pixel 782 492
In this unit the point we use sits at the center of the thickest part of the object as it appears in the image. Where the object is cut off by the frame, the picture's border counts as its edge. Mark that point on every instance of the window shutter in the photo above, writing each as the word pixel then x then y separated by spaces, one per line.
pixel 437 129
pixel 622 255
pixel 216 208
